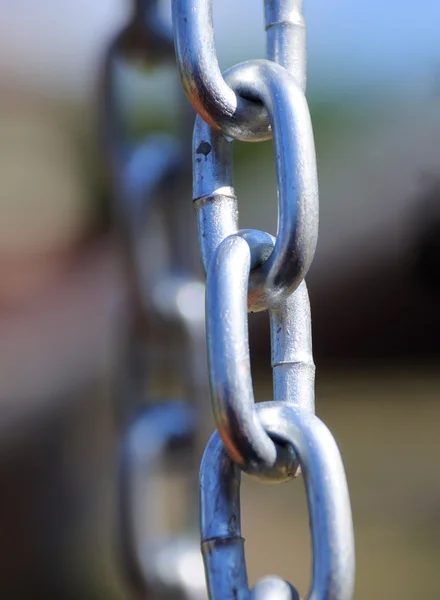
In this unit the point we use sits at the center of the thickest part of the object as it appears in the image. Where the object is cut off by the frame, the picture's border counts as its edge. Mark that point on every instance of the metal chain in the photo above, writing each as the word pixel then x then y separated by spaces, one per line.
pixel 164 296
pixel 247 271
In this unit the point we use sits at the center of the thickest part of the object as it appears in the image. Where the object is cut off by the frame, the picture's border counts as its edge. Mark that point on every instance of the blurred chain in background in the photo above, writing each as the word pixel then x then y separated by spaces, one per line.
pixel 165 323
pixel 373 284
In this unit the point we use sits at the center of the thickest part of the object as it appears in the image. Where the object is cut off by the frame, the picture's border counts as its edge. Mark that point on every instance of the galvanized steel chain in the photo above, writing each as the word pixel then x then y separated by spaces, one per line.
pixel 249 270
pixel 165 310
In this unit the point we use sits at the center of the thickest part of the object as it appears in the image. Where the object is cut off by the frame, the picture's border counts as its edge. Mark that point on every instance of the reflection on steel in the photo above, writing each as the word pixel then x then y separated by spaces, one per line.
pixel 274 588
pixel 247 270
pixel 286 36
pixel 232 110
pixel 229 358
pixel 165 297
pixel 329 510
pixel 297 181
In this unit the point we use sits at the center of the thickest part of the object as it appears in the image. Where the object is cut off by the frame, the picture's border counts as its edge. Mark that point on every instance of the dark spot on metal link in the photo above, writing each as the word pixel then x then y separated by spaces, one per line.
pixel 204 148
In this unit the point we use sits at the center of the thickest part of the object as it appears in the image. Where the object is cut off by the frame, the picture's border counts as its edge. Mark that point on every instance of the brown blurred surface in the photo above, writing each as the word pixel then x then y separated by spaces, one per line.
pixel 58 509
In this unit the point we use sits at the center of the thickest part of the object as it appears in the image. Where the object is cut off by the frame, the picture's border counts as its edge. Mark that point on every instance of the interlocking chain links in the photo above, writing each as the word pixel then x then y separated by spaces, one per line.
pixel 139 169
pixel 209 93
pixel 248 270
pixel 143 39
pixel 231 382
pixel 213 191
pixel 277 273
pixel 328 502
pixel 144 172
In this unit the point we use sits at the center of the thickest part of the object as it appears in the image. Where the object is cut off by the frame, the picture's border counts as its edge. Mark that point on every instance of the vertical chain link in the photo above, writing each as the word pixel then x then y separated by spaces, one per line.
pixel 166 309
pixel 249 271
pixel 286 36
pixel 327 498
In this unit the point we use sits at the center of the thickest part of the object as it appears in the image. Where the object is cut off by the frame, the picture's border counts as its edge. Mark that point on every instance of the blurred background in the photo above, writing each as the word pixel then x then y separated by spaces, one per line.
pixel 374 95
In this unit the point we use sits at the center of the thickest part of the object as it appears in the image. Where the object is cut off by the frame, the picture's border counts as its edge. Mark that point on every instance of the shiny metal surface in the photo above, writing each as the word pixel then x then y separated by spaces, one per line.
pixel 211 96
pixel 273 588
pixel 286 36
pixel 250 271
pixel 201 77
pixel 247 270
pixel 214 196
pixel 230 376
pixel 328 502
pixel 297 181
pixel 293 369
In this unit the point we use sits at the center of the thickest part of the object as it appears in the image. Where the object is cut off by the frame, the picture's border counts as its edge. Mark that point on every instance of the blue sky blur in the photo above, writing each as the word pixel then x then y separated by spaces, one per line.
pixel 388 41
pixel 351 42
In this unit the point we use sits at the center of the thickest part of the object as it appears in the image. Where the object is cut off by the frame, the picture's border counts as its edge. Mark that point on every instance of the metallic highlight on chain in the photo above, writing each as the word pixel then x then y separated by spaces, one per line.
pixel 202 80
pixel 251 271
pixel 209 93
pixel 328 502
pixel 163 294
pixel 247 271
pixel 230 378
pixel 286 36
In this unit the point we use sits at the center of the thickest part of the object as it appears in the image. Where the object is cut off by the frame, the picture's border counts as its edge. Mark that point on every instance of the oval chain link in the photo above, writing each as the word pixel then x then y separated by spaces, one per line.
pixel 145 443
pixel 230 377
pixel 211 96
pixel 248 270
pixel 169 294
pixel 297 182
pixel 328 502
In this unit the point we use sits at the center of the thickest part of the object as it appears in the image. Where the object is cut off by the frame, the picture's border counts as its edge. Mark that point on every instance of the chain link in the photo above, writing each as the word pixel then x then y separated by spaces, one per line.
pixel 297 183
pixel 286 36
pixel 231 381
pixel 202 80
pixel 211 96
pixel 247 271
pixel 250 271
pixel 164 295
pixel 328 502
